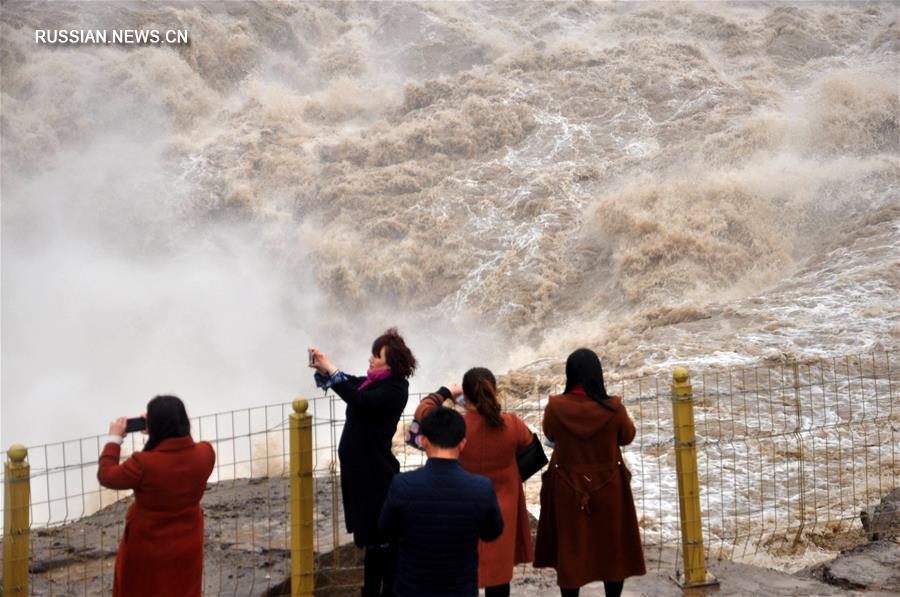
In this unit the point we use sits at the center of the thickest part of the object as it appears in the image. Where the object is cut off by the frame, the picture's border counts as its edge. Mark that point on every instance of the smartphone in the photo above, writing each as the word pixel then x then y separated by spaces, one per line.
pixel 312 358
pixel 136 424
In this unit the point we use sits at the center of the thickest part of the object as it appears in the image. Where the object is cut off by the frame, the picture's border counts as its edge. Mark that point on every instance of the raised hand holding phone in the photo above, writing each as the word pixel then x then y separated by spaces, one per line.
pixel 118 427
pixel 319 360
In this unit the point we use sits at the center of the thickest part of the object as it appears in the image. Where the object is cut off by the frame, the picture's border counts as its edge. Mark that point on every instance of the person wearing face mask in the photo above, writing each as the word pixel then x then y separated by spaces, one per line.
pixel 374 405
pixel 493 438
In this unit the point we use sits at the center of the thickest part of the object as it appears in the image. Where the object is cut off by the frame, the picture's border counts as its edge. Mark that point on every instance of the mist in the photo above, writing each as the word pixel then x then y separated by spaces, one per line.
pixel 111 297
pixel 665 183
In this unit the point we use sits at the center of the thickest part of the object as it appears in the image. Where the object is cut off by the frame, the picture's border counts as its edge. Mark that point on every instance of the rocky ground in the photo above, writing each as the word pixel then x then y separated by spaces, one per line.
pixel 247 553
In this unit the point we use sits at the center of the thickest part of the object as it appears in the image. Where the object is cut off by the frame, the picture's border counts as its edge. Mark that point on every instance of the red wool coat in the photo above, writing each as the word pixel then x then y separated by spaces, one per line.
pixel 588 527
pixel 161 551
pixel 491 452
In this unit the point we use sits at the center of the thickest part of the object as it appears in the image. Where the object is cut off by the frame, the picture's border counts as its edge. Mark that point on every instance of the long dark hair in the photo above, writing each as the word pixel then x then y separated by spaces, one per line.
pixel 583 369
pixel 480 388
pixel 399 357
pixel 166 418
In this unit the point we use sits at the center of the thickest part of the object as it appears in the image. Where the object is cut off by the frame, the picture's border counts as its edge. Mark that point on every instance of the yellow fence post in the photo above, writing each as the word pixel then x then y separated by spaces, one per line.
pixel 16 528
pixel 798 406
pixel 302 579
pixel 695 573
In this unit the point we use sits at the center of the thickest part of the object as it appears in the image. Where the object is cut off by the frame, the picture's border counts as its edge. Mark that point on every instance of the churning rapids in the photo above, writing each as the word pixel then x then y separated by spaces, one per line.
pixel 709 184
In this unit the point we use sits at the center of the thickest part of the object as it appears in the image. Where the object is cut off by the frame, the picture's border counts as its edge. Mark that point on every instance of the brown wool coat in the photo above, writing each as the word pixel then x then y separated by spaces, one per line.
pixel 491 452
pixel 588 527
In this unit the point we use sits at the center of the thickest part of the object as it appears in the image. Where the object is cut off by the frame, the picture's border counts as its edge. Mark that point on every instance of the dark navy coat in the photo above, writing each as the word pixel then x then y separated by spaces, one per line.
pixel 367 463
pixel 438 513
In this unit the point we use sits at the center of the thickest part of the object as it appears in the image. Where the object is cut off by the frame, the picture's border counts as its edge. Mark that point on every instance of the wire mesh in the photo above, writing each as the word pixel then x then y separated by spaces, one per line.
pixel 76 524
pixel 788 455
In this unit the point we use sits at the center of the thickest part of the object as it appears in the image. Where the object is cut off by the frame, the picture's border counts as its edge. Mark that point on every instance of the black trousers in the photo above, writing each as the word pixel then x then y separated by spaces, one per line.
pixel 497 591
pixel 379 570
pixel 613 589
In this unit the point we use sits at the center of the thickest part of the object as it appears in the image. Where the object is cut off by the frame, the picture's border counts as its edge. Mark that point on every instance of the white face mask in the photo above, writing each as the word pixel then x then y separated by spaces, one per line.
pixel 461 400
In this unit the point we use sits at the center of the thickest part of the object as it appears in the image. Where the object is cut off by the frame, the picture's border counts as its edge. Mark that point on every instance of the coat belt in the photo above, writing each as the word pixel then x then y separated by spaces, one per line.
pixel 585 494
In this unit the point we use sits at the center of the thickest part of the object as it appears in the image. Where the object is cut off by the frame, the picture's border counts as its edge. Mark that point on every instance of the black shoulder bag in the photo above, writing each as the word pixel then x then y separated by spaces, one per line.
pixel 531 459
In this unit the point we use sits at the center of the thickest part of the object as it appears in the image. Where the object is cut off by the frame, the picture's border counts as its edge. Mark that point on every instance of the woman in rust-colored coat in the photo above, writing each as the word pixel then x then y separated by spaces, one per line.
pixel 492 441
pixel 588 527
pixel 161 551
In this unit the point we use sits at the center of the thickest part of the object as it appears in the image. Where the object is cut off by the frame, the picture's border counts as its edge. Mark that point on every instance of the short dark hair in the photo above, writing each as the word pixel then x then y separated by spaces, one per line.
pixel 444 427
pixel 399 357
pixel 166 418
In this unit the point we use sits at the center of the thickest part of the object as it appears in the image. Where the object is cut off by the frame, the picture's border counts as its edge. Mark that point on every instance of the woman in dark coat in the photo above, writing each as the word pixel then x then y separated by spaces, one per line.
pixel 374 406
pixel 161 551
pixel 588 527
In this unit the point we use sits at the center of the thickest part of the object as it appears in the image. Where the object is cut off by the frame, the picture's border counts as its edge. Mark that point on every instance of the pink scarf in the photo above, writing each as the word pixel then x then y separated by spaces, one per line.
pixel 372 376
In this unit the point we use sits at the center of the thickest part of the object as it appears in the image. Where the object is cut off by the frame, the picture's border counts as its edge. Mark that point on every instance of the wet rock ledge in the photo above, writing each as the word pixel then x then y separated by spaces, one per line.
pixel 871 566
pixel 247 553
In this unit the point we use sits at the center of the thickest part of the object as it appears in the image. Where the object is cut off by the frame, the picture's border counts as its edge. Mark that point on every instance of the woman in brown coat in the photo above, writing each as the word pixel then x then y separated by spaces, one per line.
pixel 493 439
pixel 588 527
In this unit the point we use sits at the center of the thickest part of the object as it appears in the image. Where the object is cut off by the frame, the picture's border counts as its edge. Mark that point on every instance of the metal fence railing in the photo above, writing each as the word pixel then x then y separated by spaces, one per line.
pixel 76 524
pixel 787 456
pixel 792 453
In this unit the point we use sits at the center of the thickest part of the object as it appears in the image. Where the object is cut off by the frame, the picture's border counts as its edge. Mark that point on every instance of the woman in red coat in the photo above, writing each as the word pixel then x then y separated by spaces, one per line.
pixel 161 551
pixel 588 526
pixel 492 441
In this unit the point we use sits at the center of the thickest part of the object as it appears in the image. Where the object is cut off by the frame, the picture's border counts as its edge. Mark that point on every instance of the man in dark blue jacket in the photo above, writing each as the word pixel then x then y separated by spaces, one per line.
pixel 438 513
